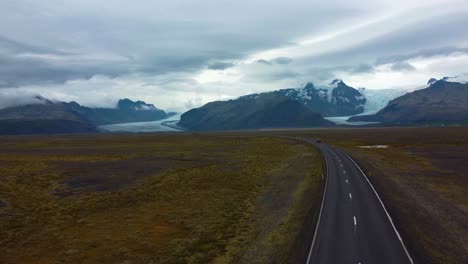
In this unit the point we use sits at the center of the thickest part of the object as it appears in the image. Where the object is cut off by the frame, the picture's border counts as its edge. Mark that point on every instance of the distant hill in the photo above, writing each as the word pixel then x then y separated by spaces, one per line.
pixel 47 112
pixel 442 102
pixel 336 99
pixel 268 110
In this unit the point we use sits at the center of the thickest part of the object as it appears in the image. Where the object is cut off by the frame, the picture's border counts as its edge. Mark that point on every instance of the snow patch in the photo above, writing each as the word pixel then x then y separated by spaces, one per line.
pixel 144 108
pixel 330 88
pixel 374 146
pixel 304 95
pixel 323 93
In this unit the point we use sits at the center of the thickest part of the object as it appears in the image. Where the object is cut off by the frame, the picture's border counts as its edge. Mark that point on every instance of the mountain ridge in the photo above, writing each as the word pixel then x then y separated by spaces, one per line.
pixel 267 110
pixel 441 102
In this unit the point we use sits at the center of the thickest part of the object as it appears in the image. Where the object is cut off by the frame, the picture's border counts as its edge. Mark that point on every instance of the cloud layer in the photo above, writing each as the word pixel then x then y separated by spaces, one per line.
pixel 181 54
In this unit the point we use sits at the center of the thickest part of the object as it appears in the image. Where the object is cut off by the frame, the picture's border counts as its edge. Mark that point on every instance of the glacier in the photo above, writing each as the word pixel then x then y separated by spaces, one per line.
pixel 378 99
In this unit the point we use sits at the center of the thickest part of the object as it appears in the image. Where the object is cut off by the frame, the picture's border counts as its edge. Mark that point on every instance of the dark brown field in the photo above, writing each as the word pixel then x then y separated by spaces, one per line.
pixel 155 198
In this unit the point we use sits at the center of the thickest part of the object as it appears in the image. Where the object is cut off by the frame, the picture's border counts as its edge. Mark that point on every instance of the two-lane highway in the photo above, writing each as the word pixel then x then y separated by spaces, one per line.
pixel 353 225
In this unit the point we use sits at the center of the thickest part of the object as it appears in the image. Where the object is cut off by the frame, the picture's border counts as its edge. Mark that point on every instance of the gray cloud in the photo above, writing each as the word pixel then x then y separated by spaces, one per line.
pixel 16 47
pixel 278 60
pixel 220 65
pixel 164 47
pixel 267 77
pixel 282 60
pixel 266 62
pixel 402 66
pixel 11 97
pixel 425 53
pixel 165 39
pixel 360 68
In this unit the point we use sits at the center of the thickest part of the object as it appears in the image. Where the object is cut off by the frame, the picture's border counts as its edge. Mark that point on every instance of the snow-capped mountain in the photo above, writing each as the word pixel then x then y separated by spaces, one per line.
pixel 442 102
pixel 335 99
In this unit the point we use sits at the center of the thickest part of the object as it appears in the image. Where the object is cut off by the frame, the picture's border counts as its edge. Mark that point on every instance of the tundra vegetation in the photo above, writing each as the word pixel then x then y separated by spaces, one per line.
pixel 167 198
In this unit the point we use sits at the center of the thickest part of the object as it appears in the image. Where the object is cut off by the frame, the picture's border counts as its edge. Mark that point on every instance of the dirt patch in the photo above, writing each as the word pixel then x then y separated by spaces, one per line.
pixel 450 158
pixel 82 177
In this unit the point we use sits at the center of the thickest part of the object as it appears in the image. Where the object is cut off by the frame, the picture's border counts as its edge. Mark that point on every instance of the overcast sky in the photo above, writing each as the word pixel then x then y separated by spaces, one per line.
pixel 180 54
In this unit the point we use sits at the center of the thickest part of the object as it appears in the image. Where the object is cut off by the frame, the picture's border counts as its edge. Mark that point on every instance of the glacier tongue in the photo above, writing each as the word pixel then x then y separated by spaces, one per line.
pixel 378 99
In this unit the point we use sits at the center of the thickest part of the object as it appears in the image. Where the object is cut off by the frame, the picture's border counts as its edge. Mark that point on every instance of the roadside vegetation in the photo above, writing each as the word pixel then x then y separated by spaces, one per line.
pixel 168 198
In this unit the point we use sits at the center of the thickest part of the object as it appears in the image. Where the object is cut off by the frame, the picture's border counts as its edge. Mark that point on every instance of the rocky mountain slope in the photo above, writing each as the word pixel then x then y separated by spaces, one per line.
pixel 268 110
pixel 442 102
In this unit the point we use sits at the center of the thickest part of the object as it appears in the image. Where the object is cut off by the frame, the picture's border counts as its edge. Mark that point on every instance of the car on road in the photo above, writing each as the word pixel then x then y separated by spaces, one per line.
pixel 318 140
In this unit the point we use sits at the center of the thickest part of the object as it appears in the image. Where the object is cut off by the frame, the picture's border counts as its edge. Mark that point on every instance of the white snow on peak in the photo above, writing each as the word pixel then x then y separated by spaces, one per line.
pixel 143 108
pixel 304 95
pixel 323 93
pixel 330 87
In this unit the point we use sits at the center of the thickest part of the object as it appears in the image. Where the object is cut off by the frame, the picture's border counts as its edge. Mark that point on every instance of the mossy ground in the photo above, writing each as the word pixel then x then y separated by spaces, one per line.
pixel 154 198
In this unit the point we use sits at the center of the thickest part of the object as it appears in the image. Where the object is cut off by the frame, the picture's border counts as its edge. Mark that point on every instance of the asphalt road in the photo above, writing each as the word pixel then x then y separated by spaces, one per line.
pixel 353 225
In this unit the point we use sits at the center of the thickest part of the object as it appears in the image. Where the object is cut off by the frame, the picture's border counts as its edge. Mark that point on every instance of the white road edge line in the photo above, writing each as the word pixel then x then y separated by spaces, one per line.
pixel 385 209
pixel 355 222
pixel 346 180
pixel 350 196
pixel 320 213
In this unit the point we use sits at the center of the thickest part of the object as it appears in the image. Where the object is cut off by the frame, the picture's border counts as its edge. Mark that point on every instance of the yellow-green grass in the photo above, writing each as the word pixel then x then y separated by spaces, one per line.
pixel 176 198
